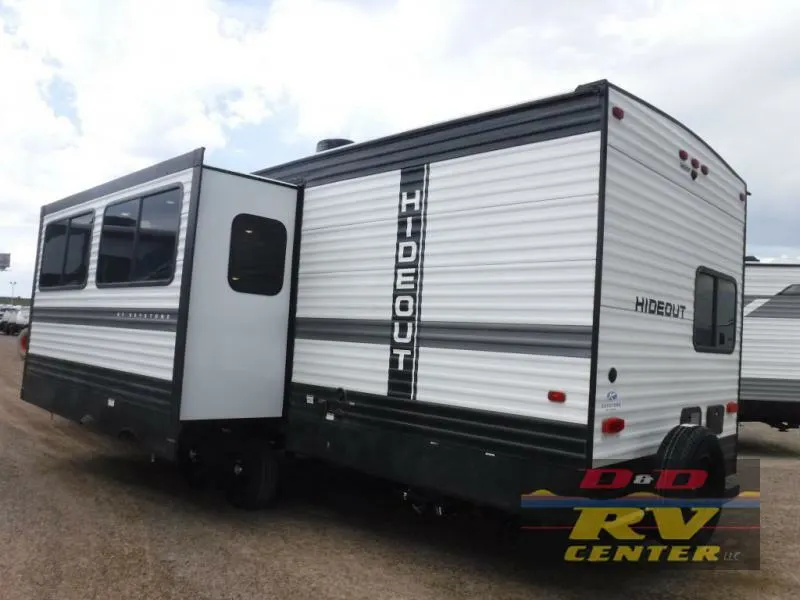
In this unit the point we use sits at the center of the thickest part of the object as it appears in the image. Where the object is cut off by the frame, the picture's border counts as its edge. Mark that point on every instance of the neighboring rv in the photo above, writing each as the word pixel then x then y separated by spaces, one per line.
pixel 471 309
pixel 770 390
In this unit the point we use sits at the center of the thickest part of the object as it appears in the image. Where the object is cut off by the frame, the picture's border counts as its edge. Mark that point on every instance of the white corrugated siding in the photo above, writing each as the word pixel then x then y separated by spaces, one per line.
pixel 659 228
pixel 511 238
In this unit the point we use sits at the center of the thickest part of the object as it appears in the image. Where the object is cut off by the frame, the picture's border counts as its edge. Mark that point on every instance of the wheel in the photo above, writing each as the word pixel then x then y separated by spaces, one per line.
pixel 22 344
pixel 254 480
pixel 695 447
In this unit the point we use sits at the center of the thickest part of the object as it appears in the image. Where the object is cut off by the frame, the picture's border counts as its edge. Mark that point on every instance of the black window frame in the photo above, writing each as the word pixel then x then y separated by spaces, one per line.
pixel 716 276
pixel 87 252
pixel 141 198
pixel 233 284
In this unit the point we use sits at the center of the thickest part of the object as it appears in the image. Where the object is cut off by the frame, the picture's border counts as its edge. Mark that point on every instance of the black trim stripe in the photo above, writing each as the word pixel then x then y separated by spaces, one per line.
pixel 407 282
pixel 551 340
pixel 602 91
pixel 185 293
pixel 114 401
pixel 546 119
pixel 157 319
pixel 485 429
pixel 758 389
pixel 162 169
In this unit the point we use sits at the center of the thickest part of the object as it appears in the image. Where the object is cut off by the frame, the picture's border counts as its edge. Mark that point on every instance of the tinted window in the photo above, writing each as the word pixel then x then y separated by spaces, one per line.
pixel 138 241
pixel 704 310
pixel 158 235
pixel 726 314
pixel 79 241
pixel 66 251
pixel 257 255
pixel 117 240
pixel 714 313
pixel 55 241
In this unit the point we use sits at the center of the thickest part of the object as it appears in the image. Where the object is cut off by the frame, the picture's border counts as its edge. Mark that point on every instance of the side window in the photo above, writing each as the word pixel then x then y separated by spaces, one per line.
pixel 714 312
pixel 257 255
pixel 139 240
pixel 66 251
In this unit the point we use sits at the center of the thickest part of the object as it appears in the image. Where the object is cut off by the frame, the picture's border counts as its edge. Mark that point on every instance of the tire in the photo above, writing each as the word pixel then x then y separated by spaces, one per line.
pixel 22 343
pixel 254 482
pixel 695 447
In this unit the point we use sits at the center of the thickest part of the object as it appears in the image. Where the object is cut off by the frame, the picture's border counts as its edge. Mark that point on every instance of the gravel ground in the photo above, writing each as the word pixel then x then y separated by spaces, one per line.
pixel 85 517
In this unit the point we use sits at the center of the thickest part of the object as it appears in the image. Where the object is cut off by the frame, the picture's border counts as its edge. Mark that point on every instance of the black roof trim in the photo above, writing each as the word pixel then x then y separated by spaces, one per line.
pixel 773 264
pixel 580 111
pixel 162 169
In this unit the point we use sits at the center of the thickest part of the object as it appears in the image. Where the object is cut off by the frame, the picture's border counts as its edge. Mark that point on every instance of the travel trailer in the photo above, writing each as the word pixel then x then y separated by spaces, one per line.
pixel 471 309
pixel 771 344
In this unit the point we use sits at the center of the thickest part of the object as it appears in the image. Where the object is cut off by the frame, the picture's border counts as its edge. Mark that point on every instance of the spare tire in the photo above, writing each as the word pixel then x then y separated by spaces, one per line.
pixel 22 342
pixel 695 447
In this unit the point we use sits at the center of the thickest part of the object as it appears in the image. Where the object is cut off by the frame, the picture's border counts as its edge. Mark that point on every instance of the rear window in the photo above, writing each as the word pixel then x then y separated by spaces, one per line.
pixel 714 312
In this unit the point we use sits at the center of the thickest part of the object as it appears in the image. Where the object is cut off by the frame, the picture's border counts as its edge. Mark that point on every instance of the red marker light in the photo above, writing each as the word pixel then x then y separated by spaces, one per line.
pixel 695 163
pixel 613 425
pixel 618 113
pixel 704 170
pixel 683 154
pixel 556 396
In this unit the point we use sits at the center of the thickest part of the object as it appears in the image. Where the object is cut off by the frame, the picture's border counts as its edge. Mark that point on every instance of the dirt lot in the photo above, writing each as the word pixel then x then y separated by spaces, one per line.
pixel 84 517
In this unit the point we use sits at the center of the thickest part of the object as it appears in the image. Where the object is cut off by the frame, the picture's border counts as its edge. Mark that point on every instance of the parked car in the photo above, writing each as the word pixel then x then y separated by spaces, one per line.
pixel 7 316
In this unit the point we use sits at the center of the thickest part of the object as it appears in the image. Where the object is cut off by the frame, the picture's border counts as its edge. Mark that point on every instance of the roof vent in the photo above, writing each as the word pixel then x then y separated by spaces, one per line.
pixel 751 259
pixel 330 143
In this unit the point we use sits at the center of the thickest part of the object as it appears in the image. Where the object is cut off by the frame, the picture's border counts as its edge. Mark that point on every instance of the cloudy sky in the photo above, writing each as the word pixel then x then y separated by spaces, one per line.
pixel 92 89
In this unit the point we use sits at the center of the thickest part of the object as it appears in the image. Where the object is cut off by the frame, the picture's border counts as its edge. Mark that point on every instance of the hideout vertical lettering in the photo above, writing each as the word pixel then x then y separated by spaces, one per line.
pixel 407 283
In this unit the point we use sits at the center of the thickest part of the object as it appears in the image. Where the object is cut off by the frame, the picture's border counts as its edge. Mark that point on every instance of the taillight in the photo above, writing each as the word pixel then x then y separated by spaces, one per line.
pixel 731 408
pixel 613 425
pixel 556 396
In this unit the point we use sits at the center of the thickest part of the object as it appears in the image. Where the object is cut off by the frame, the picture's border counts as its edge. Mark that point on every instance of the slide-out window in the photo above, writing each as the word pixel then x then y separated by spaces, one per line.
pixel 257 255
pixel 714 312
pixel 66 252
pixel 139 240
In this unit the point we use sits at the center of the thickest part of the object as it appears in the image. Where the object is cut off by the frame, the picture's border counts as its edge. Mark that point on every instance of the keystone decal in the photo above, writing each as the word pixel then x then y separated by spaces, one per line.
pixel 407 283
pixel 662 308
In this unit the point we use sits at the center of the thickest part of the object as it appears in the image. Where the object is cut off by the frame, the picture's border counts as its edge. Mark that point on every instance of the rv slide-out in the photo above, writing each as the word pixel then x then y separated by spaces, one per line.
pixel 473 308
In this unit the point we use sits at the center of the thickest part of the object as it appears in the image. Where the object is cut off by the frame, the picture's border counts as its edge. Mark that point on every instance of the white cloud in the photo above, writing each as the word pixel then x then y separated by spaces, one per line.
pixel 152 79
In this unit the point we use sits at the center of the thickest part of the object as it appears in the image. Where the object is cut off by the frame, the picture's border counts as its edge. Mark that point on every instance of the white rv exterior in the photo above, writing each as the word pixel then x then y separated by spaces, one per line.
pixel 770 390
pixel 470 308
